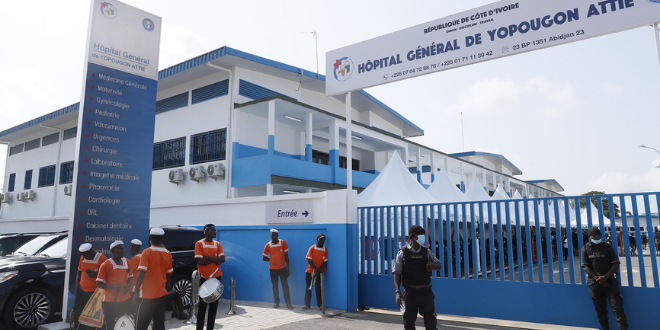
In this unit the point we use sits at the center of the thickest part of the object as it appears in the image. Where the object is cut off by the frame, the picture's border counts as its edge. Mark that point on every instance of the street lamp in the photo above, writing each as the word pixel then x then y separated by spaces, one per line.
pixel 656 150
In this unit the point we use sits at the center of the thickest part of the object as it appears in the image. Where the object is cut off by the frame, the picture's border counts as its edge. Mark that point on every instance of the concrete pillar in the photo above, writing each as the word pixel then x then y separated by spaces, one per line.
pixel 334 149
pixel 508 187
pixel 308 137
pixel 484 180
pixel 432 167
pixel 271 128
pixel 462 179
pixel 418 164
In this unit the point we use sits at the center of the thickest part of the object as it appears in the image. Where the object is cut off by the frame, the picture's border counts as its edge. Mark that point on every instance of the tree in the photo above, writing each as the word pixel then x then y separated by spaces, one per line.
pixel 605 201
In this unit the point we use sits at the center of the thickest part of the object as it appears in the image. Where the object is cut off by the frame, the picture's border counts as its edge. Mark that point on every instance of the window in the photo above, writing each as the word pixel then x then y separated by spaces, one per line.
pixel 70 133
pixel 50 139
pixel 66 172
pixel 12 181
pixel 210 92
pixel 28 180
pixel 255 92
pixel 209 146
pixel 16 149
pixel 323 158
pixel 34 144
pixel 171 103
pixel 47 176
pixel 169 153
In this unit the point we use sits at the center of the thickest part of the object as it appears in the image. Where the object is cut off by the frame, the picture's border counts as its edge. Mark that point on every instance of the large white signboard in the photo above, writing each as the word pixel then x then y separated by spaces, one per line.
pixel 496 30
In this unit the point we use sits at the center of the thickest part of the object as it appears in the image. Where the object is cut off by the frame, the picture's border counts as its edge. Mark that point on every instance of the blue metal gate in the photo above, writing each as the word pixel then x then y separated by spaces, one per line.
pixel 504 266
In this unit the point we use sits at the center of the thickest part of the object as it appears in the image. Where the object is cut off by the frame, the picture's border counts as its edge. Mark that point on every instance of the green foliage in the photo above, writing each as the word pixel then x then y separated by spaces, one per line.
pixel 605 201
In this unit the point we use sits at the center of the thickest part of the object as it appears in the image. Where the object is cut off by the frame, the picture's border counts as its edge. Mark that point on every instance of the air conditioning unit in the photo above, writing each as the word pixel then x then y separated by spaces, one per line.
pixel 20 197
pixel 177 176
pixel 30 195
pixel 215 170
pixel 68 189
pixel 196 173
pixel 6 198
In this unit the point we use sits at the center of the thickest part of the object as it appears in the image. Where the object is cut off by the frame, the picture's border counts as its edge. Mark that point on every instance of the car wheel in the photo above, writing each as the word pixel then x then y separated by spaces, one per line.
pixel 29 308
pixel 183 284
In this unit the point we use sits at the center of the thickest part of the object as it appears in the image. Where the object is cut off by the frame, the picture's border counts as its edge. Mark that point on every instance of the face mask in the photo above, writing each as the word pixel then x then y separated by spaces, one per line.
pixel 421 239
pixel 596 241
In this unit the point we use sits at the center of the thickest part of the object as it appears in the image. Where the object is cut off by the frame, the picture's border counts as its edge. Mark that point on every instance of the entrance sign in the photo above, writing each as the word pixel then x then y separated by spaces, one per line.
pixel 289 212
pixel 113 162
pixel 492 31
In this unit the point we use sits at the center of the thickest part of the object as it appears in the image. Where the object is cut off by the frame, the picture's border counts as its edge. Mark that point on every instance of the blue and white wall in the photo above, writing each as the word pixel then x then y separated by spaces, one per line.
pixel 243 232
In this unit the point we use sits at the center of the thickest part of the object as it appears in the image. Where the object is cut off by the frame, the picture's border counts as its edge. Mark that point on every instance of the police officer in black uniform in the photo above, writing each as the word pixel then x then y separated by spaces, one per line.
pixel 415 263
pixel 600 262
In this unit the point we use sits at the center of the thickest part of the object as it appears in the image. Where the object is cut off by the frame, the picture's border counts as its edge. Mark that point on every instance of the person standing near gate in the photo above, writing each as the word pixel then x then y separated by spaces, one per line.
pixel 116 279
pixel 88 268
pixel 317 260
pixel 278 263
pixel 600 262
pixel 209 256
pixel 414 263
pixel 154 273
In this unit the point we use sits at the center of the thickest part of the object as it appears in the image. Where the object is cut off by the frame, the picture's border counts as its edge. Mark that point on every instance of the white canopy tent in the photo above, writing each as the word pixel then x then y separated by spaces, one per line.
pixel 394 186
pixel 444 190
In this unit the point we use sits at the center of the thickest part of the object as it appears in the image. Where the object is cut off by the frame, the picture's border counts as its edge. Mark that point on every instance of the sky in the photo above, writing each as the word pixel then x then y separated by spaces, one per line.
pixel 576 113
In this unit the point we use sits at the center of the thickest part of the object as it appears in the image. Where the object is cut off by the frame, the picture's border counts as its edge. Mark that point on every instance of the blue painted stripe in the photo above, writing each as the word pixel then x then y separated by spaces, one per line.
pixel 308 152
pixel 41 119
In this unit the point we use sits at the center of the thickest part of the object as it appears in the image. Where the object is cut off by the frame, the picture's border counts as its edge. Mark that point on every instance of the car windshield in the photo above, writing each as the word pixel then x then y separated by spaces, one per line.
pixel 33 246
pixel 57 250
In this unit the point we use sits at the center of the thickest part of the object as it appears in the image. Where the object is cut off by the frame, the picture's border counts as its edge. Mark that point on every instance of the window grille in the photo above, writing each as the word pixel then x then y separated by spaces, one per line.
pixel 12 181
pixel 254 91
pixel 28 180
pixel 47 176
pixel 66 172
pixel 169 153
pixel 50 139
pixel 70 133
pixel 171 103
pixel 34 144
pixel 210 92
pixel 209 146
pixel 17 149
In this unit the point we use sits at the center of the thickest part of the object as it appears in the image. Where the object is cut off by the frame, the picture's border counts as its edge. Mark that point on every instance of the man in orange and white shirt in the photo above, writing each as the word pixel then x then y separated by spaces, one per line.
pixel 88 268
pixel 154 272
pixel 209 256
pixel 317 260
pixel 278 263
pixel 116 279
pixel 133 263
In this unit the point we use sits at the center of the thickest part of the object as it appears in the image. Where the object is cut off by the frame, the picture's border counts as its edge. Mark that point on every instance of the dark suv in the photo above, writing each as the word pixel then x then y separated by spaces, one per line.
pixel 31 286
pixel 10 242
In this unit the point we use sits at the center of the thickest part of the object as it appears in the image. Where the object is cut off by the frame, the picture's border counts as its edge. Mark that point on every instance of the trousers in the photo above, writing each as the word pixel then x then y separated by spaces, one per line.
pixel 151 309
pixel 82 297
pixel 600 295
pixel 201 312
pixel 281 273
pixel 308 293
pixel 113 310
pixel 422 302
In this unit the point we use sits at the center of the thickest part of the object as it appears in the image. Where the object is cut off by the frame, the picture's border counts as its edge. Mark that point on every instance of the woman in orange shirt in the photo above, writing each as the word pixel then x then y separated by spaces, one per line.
pixel 116 279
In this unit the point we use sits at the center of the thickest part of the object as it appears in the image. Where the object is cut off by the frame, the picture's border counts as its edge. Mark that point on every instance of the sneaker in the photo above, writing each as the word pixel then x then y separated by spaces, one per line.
pixel 304 308
pixel 277 305
pixel 289 306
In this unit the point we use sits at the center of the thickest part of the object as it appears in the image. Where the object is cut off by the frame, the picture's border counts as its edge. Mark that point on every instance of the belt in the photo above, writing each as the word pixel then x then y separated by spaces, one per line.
pixel 419 290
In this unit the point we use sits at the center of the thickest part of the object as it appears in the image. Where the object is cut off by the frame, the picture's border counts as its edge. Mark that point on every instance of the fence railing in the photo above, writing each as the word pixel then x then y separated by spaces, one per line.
pixel 523 240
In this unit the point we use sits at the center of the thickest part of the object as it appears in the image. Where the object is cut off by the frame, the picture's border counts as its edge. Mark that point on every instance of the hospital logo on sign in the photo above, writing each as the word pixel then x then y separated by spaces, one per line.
pixel 108 10
pixel 148 24
pixel 343 68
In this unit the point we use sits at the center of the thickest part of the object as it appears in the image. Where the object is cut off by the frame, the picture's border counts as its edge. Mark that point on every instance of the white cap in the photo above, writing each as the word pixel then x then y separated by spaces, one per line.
pixel 157 232
pixel 274 230
pixel 115 243
pixel 85 247
pixel 136 241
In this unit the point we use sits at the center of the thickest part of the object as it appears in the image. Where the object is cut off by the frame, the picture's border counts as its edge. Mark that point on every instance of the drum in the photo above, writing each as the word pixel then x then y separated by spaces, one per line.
pixel 211 290
pixel 127 322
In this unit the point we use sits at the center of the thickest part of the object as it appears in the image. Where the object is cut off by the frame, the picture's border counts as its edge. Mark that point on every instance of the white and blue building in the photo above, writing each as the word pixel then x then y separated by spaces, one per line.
pixel 277 136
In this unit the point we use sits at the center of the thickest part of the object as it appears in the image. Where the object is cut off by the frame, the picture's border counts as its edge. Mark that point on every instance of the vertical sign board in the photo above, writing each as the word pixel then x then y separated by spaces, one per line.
pixel 492 31
pixel 112 179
